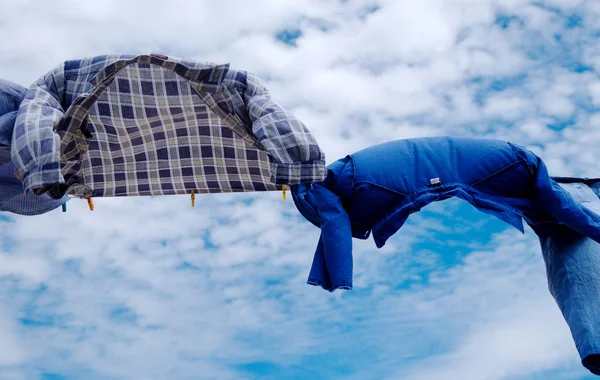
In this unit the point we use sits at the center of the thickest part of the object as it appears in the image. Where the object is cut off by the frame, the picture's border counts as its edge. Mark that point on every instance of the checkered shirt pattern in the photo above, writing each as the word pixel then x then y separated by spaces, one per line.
pixel 152 125
pixel 12 197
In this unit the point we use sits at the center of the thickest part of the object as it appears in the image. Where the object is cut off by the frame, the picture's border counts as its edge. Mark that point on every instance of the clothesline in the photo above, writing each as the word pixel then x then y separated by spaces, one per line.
pixel 90 199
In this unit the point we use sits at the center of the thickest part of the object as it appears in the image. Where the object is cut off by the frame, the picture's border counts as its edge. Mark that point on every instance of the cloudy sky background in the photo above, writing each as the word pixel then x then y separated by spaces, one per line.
pixel 154 289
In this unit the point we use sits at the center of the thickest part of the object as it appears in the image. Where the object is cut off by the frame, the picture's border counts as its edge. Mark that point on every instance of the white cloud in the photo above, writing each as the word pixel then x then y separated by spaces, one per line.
pixel 155 288
pixel 512 327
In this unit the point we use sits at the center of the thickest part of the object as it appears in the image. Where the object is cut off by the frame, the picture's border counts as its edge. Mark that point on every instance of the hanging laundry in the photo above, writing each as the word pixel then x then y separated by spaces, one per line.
pixel 12 195
pixel 375 190
pixel 123 125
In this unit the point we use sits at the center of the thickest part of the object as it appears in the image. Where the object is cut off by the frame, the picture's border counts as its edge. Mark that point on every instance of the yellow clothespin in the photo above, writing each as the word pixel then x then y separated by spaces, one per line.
pixel 90 203
pixel 193 199
pixel 284 188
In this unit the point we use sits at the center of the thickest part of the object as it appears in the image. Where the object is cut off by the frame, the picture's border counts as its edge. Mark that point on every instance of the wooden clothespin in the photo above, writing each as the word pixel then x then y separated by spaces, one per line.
pixel 90 203
pixel 193 199
pixel 283 189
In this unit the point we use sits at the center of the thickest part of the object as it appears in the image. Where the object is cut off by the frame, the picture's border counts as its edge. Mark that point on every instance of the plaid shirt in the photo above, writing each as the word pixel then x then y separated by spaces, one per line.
pixel 12 197
pixel 151 125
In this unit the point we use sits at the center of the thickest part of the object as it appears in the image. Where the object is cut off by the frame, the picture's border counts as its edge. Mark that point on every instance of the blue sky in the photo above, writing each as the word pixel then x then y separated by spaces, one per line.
pixel 151 288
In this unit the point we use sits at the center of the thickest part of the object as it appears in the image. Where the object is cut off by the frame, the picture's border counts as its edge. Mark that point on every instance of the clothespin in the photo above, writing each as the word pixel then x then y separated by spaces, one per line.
pixel 193 199
pixel 283 189
pixel 64 207
pixel 90 203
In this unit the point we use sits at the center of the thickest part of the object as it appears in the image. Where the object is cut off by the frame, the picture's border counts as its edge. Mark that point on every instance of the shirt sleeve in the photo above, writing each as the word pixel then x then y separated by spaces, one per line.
pixel 11 95
pixel 296 155
pixel 35 144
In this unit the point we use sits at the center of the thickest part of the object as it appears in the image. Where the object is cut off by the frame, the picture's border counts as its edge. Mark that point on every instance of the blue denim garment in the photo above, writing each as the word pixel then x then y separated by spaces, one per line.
pixel 573 269
pixel 12 195
pixel 376 189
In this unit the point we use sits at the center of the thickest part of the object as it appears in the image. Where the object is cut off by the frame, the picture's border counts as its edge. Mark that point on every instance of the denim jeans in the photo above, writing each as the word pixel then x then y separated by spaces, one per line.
pixel 573 270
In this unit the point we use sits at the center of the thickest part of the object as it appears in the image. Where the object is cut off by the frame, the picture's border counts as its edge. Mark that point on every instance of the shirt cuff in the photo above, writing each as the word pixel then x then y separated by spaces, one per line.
pixel 298 172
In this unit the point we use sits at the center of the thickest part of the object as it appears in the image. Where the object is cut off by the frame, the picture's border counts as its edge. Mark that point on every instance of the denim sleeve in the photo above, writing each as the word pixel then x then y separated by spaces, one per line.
pixel 573 270
pixel 332 263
